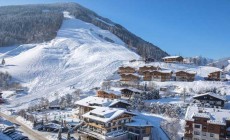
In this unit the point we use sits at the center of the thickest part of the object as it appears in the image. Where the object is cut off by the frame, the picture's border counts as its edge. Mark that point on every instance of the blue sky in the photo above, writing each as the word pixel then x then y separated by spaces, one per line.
pixel 180 27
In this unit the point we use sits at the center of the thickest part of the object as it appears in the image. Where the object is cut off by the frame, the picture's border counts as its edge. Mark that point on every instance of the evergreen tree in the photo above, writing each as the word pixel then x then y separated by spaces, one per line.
pixel 68 136
pixel 59 135
pixel 3 61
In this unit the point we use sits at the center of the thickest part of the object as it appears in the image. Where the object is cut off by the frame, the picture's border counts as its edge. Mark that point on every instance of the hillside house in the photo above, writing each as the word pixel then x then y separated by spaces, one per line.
pixel 109 94
pixel 173 59
pixel 139 129
pixel 89 103
pixel 147 68
pixel 216 76
pixel 210 99
pixel 187 76
pixel 160 76
pixel 127 93
pixel 106 123
pixel 126 69
pixel 207 124
pixel 130 77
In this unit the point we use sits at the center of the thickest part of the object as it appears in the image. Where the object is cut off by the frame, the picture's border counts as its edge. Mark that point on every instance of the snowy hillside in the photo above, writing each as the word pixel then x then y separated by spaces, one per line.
pixel 78 57
pixel 225 62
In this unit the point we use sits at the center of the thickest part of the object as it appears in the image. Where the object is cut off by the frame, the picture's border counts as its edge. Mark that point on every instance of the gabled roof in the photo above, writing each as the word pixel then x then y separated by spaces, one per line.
pixel 215 71
pixel 118 93
pixel 105 114
pixel 168 57
pixel 211 94
pixel 94 102
pixel 214 115
pixel 186 71
pixel 132 89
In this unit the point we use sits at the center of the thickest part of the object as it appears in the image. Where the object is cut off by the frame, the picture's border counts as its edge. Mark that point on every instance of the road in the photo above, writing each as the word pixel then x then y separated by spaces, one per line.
pixel 28 132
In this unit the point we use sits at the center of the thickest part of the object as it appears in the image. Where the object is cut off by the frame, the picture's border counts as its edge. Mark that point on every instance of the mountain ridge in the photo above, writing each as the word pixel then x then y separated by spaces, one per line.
pixel 52 12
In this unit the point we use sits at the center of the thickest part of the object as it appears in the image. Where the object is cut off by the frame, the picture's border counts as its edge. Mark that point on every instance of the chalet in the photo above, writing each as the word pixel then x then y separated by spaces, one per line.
pixel 207 124
pixel 129 78
pixel 139 129
pixel 127 93
pixel 187 76
pixel 216 76
pixel 89 103
pixel 161 75
pixel 109 94
pixel 126 69
pixel 147 68
pixel 1 99
pixel 173 59
pixel 210 99
pixel 106 123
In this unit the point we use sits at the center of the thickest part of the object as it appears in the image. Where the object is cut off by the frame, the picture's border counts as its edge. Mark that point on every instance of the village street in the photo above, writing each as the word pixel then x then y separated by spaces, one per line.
pixel 27 131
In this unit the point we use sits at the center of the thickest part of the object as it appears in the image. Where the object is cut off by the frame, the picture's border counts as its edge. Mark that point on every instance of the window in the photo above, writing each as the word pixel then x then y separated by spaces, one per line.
pixel 197 126
pixel 204 127
pixel 218 102
pixel 211 135
pixel 196 133
pixel 204 133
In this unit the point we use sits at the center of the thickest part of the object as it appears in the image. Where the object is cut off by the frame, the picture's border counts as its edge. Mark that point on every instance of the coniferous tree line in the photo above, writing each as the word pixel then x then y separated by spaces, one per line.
pixel 39 23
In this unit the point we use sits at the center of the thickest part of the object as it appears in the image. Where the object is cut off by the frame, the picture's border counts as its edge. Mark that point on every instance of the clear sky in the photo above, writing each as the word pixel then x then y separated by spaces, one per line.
pixel 185 27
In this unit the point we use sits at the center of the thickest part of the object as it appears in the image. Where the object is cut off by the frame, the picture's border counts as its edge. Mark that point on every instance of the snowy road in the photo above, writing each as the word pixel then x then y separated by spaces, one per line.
pixel 27 131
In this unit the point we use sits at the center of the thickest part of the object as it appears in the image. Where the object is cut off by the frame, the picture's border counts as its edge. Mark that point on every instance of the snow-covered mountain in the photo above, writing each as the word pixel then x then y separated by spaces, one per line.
pixel 36 23
pixel 79 57
pixel 222 63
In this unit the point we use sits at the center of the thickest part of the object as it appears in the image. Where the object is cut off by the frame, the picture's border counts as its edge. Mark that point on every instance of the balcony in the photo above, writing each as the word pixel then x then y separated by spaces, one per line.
pixel 188 134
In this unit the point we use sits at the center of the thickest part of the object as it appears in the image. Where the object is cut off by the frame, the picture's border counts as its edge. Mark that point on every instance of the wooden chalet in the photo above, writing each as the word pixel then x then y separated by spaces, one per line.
pixel 210 99
pixel 173 59
pixel 207 124
pixel 185 76
pixel 126 69
pixel 130 77
pixel 139 129
pixel 109 94
pixel 106 123
pixel 216 76
pixel 147 68
pixel 160 76
pixel 89 103
pixel 128 92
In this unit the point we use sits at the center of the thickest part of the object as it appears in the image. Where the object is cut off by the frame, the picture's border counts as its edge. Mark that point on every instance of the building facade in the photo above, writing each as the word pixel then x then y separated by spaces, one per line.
pixel 207 124
pixel 216 76
pixel 185 76
pixel 160 76
pixel 173 59
pixel 210 99
pixel 126 69
pixel 147 68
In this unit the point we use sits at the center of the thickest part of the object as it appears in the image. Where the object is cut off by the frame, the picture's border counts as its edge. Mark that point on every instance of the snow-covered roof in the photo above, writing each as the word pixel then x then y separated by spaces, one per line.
pixel 105 114
pixel 139 123
pixel 93 101
pixel 214 115
pixel 133 89
pixel 118 93
pixel 211 94
pixel 187 71
pixel 167 57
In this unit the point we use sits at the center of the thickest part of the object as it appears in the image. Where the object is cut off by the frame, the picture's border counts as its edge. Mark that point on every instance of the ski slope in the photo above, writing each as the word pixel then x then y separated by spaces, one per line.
pixel 79 57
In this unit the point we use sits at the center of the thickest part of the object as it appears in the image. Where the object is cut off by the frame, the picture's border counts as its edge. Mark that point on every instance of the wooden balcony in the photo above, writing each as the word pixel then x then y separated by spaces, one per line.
pixel 187 134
